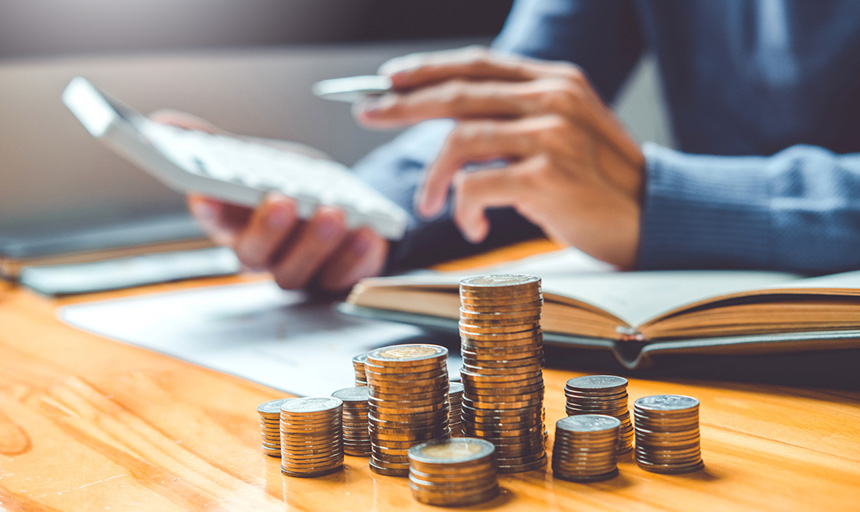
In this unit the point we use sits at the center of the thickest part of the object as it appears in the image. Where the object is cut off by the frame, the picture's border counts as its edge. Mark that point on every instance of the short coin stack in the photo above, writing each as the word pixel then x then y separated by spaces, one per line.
pixel 602 394
pixel 667 434
pixel 453 472
pixel 502 348
pixel 408 403
pixel 356 438
pixel 270 423
pixel 311 436
pixel 585 448
pixel 358 366
pixel 455 409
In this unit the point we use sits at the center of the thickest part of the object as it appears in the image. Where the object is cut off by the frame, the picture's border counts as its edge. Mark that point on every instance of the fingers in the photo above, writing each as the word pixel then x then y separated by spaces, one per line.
pixel 308 250
pixel 472 62
pixel 361 254
pixel 271 224
pixel 221 221
pixel 477 191
pixel 453 99
pixel 473 141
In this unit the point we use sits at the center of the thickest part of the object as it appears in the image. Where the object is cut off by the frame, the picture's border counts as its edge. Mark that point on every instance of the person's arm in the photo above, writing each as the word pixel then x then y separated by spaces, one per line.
pixel 601 37
pixel 797 211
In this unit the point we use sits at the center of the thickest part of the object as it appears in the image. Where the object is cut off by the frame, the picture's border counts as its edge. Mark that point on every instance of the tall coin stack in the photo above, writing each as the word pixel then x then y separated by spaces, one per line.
pixel 585 448
pixel 502 348
pixel 270 426
pixel 453 472
pixel 356 438
pixel 408 403
pixel 311 436
pixel 455 409
pixel 602 394
pixel 358 367
pixel 667 434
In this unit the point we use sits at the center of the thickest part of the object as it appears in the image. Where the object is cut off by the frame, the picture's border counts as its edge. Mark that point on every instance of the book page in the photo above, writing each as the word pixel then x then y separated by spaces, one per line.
pixel 845 280
pixel 633 297
pixel 636 297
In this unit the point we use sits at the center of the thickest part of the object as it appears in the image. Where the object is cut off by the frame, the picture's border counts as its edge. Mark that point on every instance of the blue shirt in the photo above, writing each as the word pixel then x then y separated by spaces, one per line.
pixel 763 101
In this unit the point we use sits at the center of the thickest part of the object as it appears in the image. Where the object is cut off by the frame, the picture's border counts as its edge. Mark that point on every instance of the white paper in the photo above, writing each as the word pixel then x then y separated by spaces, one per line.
pixel 255 331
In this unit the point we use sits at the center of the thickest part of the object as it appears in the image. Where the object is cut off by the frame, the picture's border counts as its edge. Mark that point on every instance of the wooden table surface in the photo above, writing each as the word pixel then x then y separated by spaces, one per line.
pixel 88 423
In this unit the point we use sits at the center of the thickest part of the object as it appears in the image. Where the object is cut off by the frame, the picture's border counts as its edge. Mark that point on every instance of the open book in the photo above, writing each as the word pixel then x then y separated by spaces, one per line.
pixel 639 314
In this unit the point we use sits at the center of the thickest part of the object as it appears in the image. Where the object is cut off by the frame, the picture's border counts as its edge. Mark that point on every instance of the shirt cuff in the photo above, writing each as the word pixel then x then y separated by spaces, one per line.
pixel 703 211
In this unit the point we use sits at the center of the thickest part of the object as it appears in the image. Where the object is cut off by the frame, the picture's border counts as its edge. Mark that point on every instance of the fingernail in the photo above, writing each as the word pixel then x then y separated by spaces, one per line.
pixel 205 210
pixel 327 228
pixel 279 216
pixel 361 244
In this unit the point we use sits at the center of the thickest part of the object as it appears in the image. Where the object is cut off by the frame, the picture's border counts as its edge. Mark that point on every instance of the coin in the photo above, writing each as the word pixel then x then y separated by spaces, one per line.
pixel 407 402
pixel 311 439
pixel 667 434
pixel 502 349
pixel 453 472
pixel 602 394
pixel 356 438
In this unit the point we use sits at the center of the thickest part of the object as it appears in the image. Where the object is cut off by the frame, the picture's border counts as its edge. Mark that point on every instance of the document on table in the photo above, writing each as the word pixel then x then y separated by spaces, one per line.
pixel 254 331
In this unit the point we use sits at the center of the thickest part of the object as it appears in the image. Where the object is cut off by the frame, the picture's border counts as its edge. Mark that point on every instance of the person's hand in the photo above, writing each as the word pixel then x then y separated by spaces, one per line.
pixel 319 252
pixel 572 168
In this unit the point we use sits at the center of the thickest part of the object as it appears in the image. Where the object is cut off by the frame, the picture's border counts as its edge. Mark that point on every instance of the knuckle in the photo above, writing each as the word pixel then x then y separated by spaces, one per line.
pixel 560 97
pixel 542 171
pixel 455 94
pixel 466 185
pixel 467 133
pixel 574 73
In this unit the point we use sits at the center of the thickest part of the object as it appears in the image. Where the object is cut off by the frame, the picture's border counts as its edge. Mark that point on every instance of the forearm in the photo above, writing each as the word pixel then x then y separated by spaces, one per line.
pixel 796 211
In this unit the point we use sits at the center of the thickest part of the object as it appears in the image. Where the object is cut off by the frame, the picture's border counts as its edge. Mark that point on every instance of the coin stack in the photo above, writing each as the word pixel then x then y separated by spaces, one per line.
pixel 311 436
pixel 270 423
pixel 456 472
pixel 502 348
pixel 358 366
pixel 356 438
pixel 602 394
pixel 667 434
pixel 408 403
pixel 455 409
pixel 585 448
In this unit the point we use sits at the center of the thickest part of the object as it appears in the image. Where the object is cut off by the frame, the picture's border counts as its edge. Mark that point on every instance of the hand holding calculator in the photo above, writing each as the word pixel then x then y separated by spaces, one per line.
pixel 235 170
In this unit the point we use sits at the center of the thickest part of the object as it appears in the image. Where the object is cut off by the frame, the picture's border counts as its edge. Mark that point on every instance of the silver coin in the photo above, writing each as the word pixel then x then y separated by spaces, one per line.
pixel 273 406
pixel 408 353
pixel 455 387
pixel 588 423
pixel 500 280
pixel 311 404
pixel 355 394
pixel 666 403
pixel 597 382
pixel 452 451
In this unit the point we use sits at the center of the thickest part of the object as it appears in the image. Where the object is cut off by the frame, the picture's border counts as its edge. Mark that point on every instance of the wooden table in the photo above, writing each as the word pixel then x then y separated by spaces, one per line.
pixel 91 424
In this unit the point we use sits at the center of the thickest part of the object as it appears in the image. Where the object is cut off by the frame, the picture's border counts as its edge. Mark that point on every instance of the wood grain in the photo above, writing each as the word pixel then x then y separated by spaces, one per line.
pixel 91 424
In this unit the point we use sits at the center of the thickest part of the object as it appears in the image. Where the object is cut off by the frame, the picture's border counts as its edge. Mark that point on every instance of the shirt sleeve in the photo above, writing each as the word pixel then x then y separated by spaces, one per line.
pixel 600 36
pixel 796 211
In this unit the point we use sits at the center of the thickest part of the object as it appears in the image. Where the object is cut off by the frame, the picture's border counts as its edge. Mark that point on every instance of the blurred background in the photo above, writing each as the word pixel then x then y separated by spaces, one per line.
pixel 246 65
